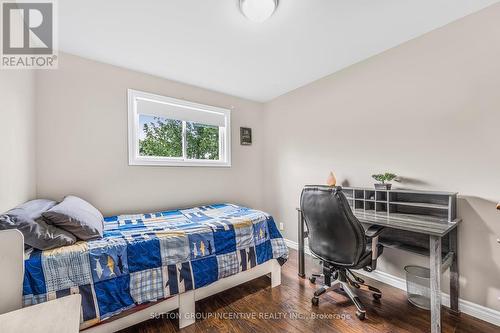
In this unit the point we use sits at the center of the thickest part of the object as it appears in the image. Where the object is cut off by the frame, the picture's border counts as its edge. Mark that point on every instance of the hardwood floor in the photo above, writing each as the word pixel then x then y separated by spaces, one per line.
pixel 288 307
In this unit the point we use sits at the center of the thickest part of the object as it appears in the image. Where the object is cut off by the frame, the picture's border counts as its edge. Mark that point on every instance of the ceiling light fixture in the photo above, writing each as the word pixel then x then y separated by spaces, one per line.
pixel 258 10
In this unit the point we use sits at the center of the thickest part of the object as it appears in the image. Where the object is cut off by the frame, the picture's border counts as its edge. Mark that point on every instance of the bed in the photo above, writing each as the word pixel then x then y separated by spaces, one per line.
pixel 165 260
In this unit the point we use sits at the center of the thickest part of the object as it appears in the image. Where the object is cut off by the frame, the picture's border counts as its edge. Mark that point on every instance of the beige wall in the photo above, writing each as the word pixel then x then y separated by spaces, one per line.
pixel 428 110
pixel 82 143
pixel 17 138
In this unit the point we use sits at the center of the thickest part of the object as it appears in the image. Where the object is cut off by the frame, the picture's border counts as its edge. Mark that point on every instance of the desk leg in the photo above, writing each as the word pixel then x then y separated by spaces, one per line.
pixel 435 267
pixel 301 245
pixel 454 274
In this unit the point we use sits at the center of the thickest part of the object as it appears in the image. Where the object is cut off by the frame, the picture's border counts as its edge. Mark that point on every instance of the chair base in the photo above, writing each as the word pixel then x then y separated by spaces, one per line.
pixel 343 283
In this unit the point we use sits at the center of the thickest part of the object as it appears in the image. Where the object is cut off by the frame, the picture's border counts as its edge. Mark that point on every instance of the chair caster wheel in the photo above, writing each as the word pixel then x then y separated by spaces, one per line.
pixel 312 279
pixel 377 296
pixel 315 301
pixel 360 315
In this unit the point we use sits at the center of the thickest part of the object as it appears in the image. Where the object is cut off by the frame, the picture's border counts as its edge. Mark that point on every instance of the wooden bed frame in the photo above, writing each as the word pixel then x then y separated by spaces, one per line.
pixel 12 272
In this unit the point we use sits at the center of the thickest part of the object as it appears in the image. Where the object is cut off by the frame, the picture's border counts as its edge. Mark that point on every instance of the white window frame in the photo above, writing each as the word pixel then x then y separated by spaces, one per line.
pixel 133 131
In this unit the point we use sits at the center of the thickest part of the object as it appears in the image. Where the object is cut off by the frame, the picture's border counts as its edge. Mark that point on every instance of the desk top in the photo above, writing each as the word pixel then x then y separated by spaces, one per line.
pixel 423 224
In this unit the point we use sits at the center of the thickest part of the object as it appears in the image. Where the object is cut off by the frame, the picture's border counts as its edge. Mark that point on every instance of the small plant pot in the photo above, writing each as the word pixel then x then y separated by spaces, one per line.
pixel 383 186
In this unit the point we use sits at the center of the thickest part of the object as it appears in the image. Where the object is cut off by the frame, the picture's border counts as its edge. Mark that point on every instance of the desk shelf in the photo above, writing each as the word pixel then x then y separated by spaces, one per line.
pixel 422 205
pixel 447 256
pixel 405 247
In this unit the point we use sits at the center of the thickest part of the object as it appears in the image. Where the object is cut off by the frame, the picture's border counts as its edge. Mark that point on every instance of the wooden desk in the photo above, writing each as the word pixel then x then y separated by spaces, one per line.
pixel 432 235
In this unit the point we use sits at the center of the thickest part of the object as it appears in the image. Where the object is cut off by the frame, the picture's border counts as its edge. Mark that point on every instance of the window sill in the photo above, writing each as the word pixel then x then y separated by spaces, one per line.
pixel 179 163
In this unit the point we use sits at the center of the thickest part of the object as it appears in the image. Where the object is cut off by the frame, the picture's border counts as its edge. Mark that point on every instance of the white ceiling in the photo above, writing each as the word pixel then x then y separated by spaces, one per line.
pixel 208 43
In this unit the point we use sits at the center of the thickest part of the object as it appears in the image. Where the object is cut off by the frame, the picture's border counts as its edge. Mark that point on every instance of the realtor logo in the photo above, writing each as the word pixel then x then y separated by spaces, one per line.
pixel 28 34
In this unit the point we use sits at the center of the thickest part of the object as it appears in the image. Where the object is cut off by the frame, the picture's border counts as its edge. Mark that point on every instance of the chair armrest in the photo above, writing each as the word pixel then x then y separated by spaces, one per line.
pixel 373 231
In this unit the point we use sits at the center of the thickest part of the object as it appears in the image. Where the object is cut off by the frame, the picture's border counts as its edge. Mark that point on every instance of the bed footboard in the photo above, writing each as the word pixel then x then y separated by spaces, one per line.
pixel 12 270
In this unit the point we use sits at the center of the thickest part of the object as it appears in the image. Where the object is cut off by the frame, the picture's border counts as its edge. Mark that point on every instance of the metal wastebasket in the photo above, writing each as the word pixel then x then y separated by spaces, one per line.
pixel 418 286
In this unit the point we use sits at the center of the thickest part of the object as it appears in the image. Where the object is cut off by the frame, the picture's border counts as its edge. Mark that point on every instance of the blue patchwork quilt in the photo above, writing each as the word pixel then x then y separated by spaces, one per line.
pixel 148 257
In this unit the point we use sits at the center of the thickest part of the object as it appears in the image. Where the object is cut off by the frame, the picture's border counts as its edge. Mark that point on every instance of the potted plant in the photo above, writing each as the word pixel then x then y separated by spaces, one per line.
pixel 382 179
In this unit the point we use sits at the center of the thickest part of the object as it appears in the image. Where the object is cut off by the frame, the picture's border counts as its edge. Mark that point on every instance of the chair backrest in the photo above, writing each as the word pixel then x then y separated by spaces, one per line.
pixel 11 270
pixel 334 233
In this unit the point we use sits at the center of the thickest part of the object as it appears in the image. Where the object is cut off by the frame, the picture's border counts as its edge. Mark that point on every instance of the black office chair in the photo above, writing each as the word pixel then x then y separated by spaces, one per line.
pixel 339 241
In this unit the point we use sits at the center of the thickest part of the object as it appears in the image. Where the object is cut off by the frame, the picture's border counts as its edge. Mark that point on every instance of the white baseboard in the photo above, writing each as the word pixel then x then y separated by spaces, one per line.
pixel 470 308
pixel 294 245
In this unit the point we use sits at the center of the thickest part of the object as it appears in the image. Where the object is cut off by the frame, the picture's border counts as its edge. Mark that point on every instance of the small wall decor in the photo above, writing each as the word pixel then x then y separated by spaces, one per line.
pixel 245 136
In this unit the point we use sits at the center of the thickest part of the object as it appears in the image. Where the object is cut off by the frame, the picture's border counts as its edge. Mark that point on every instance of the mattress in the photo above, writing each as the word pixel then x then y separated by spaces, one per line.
pixel 148 257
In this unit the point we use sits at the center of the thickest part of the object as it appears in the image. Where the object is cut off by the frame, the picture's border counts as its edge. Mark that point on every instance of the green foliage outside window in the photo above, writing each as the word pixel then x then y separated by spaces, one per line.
pixel 163 137
pixel 202 141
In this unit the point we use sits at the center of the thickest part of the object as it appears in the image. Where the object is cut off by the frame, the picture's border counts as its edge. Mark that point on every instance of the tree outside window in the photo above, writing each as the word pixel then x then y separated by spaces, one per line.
pixel 162 137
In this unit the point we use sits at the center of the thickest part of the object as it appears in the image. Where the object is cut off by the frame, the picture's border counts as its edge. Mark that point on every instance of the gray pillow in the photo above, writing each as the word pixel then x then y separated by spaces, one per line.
pixel 28 219
pixel 78 217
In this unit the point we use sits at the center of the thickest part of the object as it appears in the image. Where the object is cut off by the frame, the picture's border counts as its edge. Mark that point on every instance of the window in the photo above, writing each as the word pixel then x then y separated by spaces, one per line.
pixel 173 132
